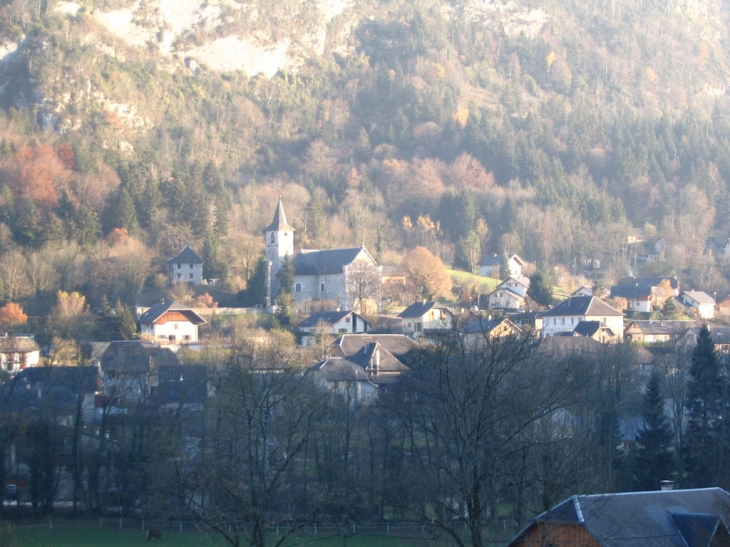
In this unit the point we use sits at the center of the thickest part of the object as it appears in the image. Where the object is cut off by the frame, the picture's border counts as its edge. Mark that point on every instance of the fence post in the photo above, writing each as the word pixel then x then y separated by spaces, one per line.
pixel 101 525
pixel 181 527
pixel 387 526
pixel 353 528
pixel 120 523
pixel 142 524
pixel 50 522
pixel 315 528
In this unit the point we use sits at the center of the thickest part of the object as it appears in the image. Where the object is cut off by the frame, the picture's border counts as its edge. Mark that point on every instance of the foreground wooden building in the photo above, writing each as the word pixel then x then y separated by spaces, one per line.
pixel 673 518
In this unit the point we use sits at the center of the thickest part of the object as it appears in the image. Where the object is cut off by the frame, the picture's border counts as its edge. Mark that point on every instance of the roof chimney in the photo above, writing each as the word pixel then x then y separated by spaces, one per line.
pixel 667 485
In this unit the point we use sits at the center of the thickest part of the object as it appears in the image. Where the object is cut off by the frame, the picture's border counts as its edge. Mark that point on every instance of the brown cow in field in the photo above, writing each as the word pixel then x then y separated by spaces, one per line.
pixel 154 534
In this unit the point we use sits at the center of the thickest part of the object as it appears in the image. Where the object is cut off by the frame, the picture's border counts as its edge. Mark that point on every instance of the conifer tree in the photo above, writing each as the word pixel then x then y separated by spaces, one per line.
pixel 654 460
pixel 703 440
pixel 255 293
pixel 541 288
pixel 285 298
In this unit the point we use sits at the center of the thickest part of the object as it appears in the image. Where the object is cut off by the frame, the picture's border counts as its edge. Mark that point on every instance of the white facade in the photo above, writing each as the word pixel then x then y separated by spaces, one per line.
pixel 502 298
pixel 185 273
pixel 552 326
pixel 702 302
pixel 14 362
pixel 171 331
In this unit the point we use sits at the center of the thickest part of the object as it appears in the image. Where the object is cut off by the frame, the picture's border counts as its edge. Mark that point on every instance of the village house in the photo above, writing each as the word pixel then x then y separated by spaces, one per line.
pixel 170 323
pixel 655 331
pixel 564 318
pixel 637 296
pixel 722 308
pixel 185 267
pixel 346 379
pixel 595 330
pixel 510 294
pixel 505 299
pixel 18 353
pixel 583 291
pixel 663 518
pixel 335 322
pixel 423 318
pixel 381 366
pixel 339 275
pixel 348 345
pixel 489 265
pixel 485 329
pixel 703 303
pixel 130 370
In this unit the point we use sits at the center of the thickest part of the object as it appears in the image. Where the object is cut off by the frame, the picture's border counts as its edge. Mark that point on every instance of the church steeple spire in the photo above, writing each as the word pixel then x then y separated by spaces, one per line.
pixel 279 223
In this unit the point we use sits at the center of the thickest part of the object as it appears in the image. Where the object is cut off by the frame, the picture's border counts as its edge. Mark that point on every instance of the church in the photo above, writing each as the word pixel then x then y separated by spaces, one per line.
pixel 345 276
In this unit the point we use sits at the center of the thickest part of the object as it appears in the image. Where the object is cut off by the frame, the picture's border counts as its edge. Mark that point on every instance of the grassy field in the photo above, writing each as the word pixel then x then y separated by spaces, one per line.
pixel 485 284
pixel 88 535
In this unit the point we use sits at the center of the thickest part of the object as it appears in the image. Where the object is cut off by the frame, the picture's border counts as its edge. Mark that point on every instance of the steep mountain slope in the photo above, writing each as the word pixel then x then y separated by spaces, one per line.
pixel 554 129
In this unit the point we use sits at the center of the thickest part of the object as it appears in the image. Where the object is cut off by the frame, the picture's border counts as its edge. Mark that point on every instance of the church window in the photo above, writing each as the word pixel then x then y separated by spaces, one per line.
pixel 297 287
pixel 273 237
pixel 321 287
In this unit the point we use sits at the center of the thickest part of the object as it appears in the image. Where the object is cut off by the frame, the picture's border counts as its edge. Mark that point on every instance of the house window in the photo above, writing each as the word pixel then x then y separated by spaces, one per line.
pixel 342 330
pixel 562 320
pixel 176 326
pixel 191 266
pixel 297 287
pixel 571 320
pixel 186 338
pixel 179 276
pixel 179 266
pixel 347 319
pixel 191 275
pixel 321 287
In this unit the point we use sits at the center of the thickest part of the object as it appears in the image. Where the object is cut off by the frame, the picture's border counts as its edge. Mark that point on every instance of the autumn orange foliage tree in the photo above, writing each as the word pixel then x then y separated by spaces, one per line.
pixel 41 174
pixel 12 314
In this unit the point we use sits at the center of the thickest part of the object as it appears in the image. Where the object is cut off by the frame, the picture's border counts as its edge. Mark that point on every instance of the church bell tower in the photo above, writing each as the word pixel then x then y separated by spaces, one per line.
pixel 279 244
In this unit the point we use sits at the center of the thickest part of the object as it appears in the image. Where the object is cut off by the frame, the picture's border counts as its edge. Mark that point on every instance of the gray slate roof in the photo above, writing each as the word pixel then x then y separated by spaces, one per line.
pixel 348 345
pixel 587 328
pixel 582 305
pixel 186 256
pixel 490 260
pixel 158 310
pixel 673 518
pixel 279 222
pixel 663 326
pixel 328 261
pixel 630 291
pixel 483 325
pixel 18 344
pixel 699 296
pixel 337 369
pixel 365 358
pixel 329 317
pixel 419 309
pixel 654 281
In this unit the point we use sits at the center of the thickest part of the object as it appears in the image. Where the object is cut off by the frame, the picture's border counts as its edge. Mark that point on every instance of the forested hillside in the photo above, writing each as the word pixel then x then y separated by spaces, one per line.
pixel 549 129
